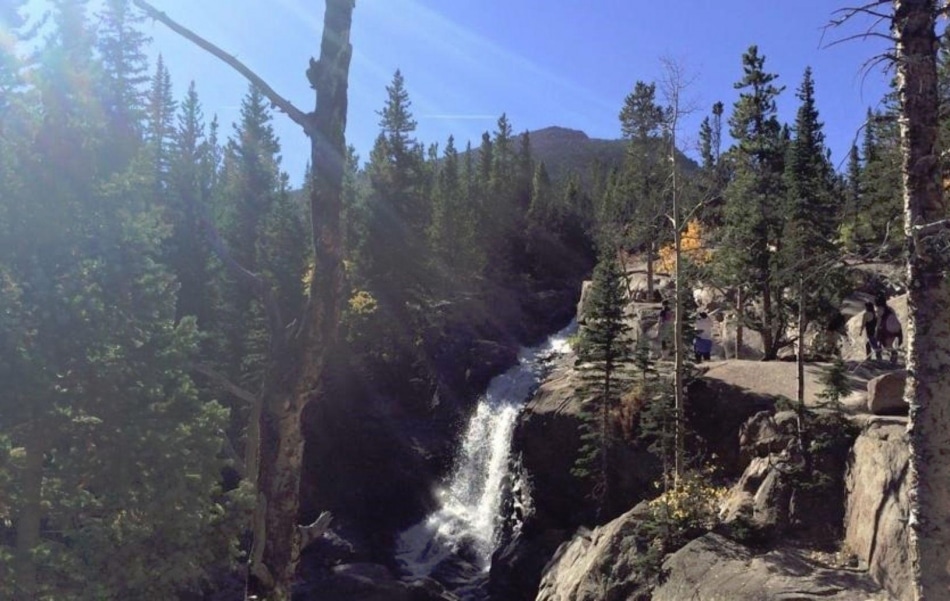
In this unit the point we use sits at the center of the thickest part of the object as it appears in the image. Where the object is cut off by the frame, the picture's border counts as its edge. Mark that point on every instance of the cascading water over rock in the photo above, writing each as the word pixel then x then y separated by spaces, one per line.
pixel 455 543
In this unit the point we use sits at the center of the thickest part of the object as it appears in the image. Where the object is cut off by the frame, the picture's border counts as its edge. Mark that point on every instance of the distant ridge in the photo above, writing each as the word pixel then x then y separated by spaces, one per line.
pixel 566 150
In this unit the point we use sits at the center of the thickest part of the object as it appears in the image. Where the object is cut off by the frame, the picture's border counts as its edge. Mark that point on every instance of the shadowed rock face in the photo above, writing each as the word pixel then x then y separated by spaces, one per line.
pixel 877 506
pixel 886 393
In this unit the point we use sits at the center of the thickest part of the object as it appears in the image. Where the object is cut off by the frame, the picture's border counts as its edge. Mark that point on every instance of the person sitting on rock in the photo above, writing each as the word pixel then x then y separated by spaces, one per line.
pixel 888 332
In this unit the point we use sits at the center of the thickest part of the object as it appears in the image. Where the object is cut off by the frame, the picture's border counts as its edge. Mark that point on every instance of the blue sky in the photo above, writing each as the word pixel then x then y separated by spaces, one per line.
pixel 543 62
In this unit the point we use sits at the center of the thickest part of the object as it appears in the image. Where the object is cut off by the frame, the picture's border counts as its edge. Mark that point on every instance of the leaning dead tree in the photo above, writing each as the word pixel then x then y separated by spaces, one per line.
pixel 298 353
pixel 927 235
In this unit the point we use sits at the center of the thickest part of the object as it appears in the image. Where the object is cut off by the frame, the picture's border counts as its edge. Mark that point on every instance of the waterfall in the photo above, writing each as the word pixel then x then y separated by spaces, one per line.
pixel 455 543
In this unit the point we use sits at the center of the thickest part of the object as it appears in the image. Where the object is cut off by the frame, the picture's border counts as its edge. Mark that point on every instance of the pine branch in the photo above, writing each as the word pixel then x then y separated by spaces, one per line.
pixel 302 119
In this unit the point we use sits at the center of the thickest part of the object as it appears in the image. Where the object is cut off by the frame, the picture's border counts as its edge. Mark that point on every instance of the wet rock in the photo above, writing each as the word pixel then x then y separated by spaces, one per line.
pixel 516 567
pixel 369 582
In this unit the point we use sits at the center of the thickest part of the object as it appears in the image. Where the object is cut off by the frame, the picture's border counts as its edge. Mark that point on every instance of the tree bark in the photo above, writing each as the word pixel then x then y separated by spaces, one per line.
pixel 650 254
pixel 800 357
pixel 768 325
pixel 928 331
pixel 298 374
pixel 678 343
pixel 739 315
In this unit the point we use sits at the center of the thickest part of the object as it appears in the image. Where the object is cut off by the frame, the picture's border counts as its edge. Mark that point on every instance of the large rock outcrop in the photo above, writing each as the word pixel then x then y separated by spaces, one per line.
pixel 877 507
pixel 597 565
pixel 886 393
pixel 548 440
pixel 605 564
pixel 783 489
pixel 715 568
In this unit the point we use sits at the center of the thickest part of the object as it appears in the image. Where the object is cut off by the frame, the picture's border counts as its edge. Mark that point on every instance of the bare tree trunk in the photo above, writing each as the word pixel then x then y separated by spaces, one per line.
pixel 674 82
pixel 928 331
pixel 739 328
pixel 678 346
pixel 605 504
pixel 297 356
pixel 650 254
pixel 282 441
pixel 768 340
pixel 800 358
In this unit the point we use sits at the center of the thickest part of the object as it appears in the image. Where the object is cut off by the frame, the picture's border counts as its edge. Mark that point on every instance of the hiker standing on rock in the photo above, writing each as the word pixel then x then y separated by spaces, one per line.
pixel 665 329
pixel 702 344
pixel 869 324
pixel 888 332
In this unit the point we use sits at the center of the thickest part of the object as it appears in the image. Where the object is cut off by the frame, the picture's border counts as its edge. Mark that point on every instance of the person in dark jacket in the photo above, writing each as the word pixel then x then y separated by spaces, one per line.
pixel 888 330
pixel 869 325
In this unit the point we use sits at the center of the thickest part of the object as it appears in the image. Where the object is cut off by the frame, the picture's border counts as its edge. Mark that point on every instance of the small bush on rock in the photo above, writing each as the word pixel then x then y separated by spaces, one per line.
pixel 686 510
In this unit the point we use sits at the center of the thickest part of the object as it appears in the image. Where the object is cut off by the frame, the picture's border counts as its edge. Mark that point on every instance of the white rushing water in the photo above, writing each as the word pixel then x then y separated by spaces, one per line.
pixel 469 522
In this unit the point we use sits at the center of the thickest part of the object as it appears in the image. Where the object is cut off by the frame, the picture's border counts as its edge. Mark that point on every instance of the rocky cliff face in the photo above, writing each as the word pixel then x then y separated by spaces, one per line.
pixel 859 500
pixel 877 508
pixel 607 562
pixel 715 568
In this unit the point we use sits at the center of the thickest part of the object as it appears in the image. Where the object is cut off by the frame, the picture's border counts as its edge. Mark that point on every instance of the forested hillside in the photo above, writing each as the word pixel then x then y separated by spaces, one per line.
pixel 133 359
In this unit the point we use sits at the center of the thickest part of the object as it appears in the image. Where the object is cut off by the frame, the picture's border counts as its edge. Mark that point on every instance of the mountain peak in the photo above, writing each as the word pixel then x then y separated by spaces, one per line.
pixel 558 134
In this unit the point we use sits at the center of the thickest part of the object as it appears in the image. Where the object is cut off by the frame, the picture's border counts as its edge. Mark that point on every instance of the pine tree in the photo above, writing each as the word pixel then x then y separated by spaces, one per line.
pixel 190 195
pixel 714 170
pixel 642 193
pixel 604 350
pixel 813 204
pixel 251 186
pixel 398 211
pixel 880 219
pixel 121 46
pixel 502 214
pixel 446 231
pixel 116 456
pixel 808 244
pixel 755 203
pixel 852 198
pixel 160 130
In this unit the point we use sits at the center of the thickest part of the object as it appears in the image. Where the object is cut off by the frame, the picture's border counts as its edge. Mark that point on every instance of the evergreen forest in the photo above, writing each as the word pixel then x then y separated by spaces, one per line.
pixel 136 361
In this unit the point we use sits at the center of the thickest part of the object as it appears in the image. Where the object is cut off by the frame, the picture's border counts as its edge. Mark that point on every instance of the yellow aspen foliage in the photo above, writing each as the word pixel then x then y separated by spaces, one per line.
pixel 692 246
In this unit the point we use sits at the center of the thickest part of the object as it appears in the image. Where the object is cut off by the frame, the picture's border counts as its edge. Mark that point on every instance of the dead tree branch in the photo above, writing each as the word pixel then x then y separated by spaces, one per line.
pixel 252 280
pixel 224 382
pixel 302 119
pixel 312 532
